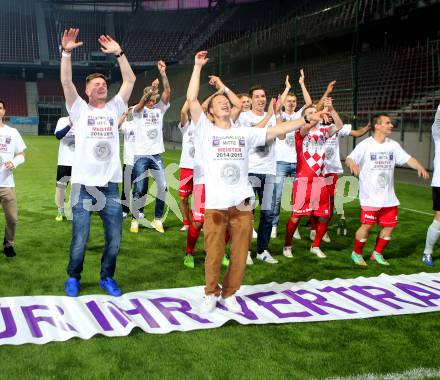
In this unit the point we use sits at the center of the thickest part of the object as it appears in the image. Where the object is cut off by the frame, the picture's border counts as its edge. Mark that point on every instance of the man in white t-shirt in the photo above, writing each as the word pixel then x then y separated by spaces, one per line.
pixel 11 155
pixel 433 232
pixel 373 160
pixel 64 132
pixel 228 207
pixel 96 168
pixel 285 149
pixel 149 114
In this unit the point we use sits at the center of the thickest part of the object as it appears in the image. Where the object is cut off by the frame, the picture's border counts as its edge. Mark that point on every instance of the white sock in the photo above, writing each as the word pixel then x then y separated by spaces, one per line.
pixel 432 236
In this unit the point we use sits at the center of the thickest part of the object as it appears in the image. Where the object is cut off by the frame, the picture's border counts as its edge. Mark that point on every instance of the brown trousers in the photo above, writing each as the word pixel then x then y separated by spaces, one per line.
pixel 238 222
pixel 9 204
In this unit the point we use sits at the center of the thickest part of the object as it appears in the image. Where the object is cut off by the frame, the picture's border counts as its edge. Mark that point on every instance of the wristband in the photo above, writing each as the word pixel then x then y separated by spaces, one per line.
pixel 66 54
pixel 120 54
pixel 18 160
pixel 306 119
pixel 226 90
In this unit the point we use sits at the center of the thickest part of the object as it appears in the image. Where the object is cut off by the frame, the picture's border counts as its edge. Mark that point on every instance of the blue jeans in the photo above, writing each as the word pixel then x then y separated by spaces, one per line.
pixel 284 169
pixel 140 186
pixel 263 189
pixel 106 201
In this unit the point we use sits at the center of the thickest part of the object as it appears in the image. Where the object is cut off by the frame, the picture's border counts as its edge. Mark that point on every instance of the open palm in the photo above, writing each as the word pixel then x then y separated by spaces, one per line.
pixel 109 45
pixel 68 41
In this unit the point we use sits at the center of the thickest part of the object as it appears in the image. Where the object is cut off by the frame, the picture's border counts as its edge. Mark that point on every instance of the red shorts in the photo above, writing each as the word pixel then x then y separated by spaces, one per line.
pixel 310 197
pixel 331 180
pixel 186 182
pixel 199 203
pixel 385 216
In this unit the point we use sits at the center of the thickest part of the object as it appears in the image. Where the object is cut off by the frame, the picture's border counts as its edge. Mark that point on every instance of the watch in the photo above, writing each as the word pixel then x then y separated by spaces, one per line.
pixel 120 54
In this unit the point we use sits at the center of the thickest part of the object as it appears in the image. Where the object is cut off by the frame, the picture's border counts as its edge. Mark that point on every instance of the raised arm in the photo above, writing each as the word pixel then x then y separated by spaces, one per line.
pixel 192 93
pixel 287 88
pixel 338 124
pixel 233 98
pixel 361 131
pixel 184 114
pixel 68 43
pixel 150 92
pixel 327 92
pixel 208 99
pixel 416 165
pixel 306 95
pixel 110 46
pixel 166 93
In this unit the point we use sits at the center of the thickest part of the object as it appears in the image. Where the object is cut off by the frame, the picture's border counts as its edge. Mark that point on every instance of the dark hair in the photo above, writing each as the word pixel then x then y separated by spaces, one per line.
pixel 255 88
pixel 376 119
pixel 4 104
pixel 94 76
pixel 242 94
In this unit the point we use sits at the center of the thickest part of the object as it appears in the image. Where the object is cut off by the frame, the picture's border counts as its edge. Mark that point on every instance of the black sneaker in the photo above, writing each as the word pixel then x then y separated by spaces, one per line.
pixel 9 251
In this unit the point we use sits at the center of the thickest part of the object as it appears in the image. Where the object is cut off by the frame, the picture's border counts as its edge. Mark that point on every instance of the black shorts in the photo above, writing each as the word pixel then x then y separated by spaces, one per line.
pixel 436 198
pixel 63 175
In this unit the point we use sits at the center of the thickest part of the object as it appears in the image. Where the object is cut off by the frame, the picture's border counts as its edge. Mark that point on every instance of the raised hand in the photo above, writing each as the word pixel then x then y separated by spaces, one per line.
pixel 328 104
pixel 201 58
pixel 216 82
pixel 277 105
pixel 287 83
pixel 161 66
pixel 68 42
pixel 301 77
pixel 272 106
pixel 109 45
pixel 155 85
pixel 330 86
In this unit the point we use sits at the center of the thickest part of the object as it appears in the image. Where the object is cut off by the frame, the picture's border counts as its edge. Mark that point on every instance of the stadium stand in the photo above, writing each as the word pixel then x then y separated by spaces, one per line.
pixel 13 92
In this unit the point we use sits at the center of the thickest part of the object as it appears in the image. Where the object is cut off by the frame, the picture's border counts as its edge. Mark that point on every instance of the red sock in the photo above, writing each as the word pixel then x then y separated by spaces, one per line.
pixel 290 230
pixel 321 229
pixel 227 237
pixel 185 222
pixel 359 246
pixel 381 244
pixel 313 222
pixel 191 238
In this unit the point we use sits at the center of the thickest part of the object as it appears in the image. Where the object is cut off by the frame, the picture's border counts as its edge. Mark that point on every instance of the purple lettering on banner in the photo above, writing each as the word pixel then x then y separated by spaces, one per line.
pixel 246 312
pixel 184 308
pixel 382 298
pixel 33 321
pixel 423 295
pixel 64 325
pixel 428 286
pixel 341 291
pixel 99 316
pixel 269 305
pixel 10 326
pixel 311 304
pixel 123 316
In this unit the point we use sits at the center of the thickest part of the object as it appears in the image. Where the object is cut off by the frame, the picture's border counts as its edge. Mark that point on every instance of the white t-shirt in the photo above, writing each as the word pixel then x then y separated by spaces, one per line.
pixel 285 150
pixel 332 156
pixel 128 130
pixel 11 143
pixel 96 161
pixel 436 137
pixel 149 137
pixel 66 149
pixel 188 150
pixel 376 179
pixel 261 158
pixel 225 161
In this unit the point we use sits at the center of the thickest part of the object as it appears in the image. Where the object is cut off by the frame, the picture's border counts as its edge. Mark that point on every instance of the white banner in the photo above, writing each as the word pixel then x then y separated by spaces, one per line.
pixel 43 319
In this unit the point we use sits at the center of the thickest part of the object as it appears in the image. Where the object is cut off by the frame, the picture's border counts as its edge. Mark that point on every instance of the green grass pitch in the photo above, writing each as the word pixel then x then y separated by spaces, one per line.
pixel 149 260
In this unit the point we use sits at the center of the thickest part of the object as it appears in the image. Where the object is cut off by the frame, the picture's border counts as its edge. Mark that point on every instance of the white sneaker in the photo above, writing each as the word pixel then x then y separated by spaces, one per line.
pixel 124 215
pixel 296 235
pixel 266 257
pixel 274 232
pixel 141 215
pixel 326 238
pixel 312 235
pixel 287 252
pixel 232 304
pixel 317 251
pixel 185 227
pixel 254 234
pixel 249 260
pixel 134 227
pixel 157 225
pixel 208 304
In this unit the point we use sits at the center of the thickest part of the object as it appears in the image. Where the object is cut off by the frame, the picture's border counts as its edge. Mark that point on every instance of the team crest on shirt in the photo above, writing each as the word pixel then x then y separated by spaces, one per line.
pixel 215 142
pixel 102 151
pixel 373 156
pixel 90 121
pixel 382 180
pixel 129 117
pixel 110 120
pixel 230 174
pixel 241 141
pixel 152 134
pixel 329 153
pixel 290 140
pixel 391 156
pixel 192 152
pixel 8 139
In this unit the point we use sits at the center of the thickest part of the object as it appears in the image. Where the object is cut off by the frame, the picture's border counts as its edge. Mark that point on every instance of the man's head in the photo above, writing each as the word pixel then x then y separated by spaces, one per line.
pixel 245 102
pixel 2 108
pixel 309 110
pixel 219 107
pixel 290 103
pixel 96 87
pixel 154 97
pixel 382 123
pixel 258 98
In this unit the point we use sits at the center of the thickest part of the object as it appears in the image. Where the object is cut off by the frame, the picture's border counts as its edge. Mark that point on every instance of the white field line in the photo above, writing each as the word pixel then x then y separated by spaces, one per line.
pixel 413 374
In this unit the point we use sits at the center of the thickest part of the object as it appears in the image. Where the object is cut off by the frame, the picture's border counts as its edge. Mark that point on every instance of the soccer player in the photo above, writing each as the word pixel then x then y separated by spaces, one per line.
pixel 148 114
pixel 224 154
pixel 433 232
pixel 309 194
pixel 96 168
pixel 11 156
pixel 285 150
pixel 245 102
pixel 64 132
pixel 373 160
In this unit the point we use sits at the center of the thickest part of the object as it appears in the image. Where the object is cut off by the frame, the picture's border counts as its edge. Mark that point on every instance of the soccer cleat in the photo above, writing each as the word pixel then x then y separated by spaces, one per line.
pixel 317 251
pixel 9 251
pixel 134 227
pixel 141 215
pixel 378 258
pixel 312 235
pixel 266 257
pixel 249 260
pixel 274 232
pixel 254 234
pixel 59 217
pixel 326 238
pixel 110 286
pixel 225 261
pixel 157 225
pixel 71 287
pixel 287 252
pixel 296 235
pixel 358 259
pixel 188 261
pixel 185 227
pixel 208 304
pixel 427 260
pixel 232 304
